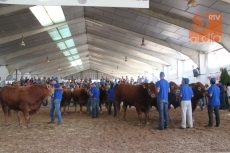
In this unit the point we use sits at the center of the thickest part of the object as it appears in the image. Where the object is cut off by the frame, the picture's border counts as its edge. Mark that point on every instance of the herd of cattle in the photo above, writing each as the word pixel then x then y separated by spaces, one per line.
pixel 142 97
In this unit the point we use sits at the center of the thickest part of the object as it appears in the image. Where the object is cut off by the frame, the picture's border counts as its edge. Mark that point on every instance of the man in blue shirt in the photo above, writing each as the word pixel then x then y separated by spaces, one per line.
pixel 95 93
pixel 89 100
pixel 111 99
pixel 162 101
pixel 213 103
pixel 55 105
pixel 222 96
pixel 186 95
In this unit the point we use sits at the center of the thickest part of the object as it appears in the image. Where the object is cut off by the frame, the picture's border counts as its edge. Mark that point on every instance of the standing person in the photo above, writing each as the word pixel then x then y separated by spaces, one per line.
pixel 95 93
pixel 228 93
pixel 111 99
pixel 162 101
pixel 213 103
pixel 186 94
pixel 222 96
pixel 89 102
pixel 55 105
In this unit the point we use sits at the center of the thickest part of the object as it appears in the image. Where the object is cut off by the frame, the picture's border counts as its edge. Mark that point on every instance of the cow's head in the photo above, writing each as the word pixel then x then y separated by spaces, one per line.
pixel 198 89
pixel 50 89
pixel 151 89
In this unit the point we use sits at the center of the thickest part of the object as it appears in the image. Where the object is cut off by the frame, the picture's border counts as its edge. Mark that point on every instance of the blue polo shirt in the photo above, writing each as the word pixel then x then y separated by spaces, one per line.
pixel 111 93
pixel 164 88
pixel 215 99
pixel 95 91
pixel 57 93
pixel 221 89
pixel 186 93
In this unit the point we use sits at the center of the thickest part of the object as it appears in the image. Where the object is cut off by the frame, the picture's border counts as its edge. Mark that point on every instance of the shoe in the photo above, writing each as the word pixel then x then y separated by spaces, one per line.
pixel 208 126
pixel 217 125
pixel 182 127
pixel 160 128
pixel 51 122
pixel 59 123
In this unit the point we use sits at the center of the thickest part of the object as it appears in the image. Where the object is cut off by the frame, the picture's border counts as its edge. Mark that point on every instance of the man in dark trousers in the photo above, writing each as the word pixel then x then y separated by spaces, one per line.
pixel 222 96
pixel 213 103
pixel 163 89
pixel 111 99
pixel 95 93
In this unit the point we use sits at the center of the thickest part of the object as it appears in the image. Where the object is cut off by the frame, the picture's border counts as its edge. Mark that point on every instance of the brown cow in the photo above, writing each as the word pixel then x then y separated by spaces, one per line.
pixel 81 97
pixel 26 99
pixel 66 98
pixel 199 92
pixel 139 96
pixel 103 98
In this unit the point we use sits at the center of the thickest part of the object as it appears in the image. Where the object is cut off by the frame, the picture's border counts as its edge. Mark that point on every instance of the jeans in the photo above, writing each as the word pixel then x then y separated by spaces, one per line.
pixel 186 114
pixel 163 113
pixel 95 107
pixel 89 105
pixel 210 115
pixel 112 102
pixel 222 101
pixel 55 105
pixel 202 103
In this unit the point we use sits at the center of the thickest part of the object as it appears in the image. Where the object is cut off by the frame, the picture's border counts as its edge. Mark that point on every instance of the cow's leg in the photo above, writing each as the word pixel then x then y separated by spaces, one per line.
pixel 147 117
pixel 6 113
pixel 81 108
pixel 125 108
pixel 100 105
pixel 107 105
pixel 139 116
pixel 19 118
pixel 27 118
pixel 75 106
pixel 118 109
pixel 64 110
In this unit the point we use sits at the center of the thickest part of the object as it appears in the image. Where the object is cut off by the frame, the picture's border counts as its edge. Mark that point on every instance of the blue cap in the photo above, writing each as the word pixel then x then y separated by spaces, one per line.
pixel 95 83
pixel 54 79
pixel 162 74
pixel 111 83
pixel 213 80
pixel 186 80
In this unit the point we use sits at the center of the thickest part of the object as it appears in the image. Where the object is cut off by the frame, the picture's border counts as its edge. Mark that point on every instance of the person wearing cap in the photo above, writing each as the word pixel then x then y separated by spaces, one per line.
pixel 222 96
pixel 111 99
pixel 89 102
pixel 186 95
pixel 162 101
pixel 95 93
pixel 55 105
pixel 213 103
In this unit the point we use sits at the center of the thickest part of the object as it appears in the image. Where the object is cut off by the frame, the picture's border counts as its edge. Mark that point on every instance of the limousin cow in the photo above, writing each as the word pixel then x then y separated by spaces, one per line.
pixel 66 98
pixel 103 98
pixel 139 96
pixel 26 99
pixel 81 97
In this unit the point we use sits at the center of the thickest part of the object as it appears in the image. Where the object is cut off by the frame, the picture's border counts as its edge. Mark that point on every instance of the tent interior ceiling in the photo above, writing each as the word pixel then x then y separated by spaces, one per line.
pixel 102 37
